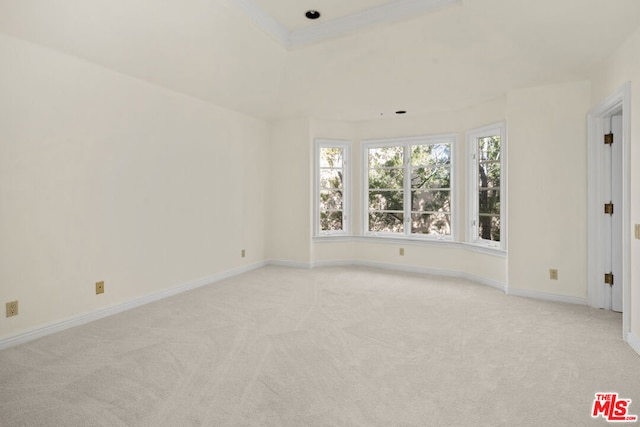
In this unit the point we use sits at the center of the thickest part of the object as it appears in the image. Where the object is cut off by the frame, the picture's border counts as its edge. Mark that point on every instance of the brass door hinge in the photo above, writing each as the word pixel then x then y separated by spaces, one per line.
pixel 608 208
pixel 608 139
pixel 608 278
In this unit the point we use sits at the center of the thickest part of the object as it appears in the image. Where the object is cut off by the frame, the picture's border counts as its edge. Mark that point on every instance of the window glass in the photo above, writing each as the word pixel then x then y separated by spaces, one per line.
pixel 410 197
pixel 485 204
pixel 331 201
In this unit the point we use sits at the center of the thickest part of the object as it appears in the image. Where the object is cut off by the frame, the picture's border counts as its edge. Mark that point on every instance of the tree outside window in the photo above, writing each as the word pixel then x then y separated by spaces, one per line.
pixel 486 200
pixel 332 187
pixel 408 186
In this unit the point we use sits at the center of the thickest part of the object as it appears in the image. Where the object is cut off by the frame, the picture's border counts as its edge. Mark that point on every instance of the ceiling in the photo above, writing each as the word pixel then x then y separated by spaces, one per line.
pixel 290 13
pixel 287 22
pixel 368 57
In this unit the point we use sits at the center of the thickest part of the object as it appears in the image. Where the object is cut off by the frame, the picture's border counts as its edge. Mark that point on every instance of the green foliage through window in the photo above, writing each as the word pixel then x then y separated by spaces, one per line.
pixel 409 188
pixel 489 171
pixel 331 188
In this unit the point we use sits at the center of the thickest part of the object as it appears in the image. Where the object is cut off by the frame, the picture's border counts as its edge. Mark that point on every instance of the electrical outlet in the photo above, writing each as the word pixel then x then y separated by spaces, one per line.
pixel 100 287
pixel 553 274
pixel 242 253
pixel 401 251
pixel 12 308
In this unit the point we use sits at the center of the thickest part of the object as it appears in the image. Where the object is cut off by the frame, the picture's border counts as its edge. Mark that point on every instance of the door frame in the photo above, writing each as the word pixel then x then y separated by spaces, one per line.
pixel 619 101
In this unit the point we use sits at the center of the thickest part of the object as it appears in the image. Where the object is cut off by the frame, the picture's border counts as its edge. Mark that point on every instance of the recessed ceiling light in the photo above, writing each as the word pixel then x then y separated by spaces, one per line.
pixel 312 14
pixel 401 112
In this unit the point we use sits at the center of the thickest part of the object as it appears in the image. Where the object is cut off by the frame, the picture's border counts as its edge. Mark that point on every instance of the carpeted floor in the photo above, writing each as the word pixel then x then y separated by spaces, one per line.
pixel 325 347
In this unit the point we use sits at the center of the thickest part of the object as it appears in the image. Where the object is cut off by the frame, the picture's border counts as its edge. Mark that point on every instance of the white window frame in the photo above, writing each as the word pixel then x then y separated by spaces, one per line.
pixel 346 190
pixel 473 186
pixel 407 142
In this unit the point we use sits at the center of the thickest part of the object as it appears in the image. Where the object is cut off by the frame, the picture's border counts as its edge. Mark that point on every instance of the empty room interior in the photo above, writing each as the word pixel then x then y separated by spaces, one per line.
pixel 319 213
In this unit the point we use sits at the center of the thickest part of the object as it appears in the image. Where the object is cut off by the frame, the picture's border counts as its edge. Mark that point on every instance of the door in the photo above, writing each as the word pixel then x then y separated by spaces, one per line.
pixel 612 226
pixel 608 180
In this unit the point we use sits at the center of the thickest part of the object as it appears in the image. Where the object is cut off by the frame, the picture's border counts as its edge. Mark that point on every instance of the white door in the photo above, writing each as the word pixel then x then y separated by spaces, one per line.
pixel 608 180
pixel 613 222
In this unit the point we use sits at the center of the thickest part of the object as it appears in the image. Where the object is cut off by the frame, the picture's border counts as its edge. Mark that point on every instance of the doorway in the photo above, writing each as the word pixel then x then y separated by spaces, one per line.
pixel 608 205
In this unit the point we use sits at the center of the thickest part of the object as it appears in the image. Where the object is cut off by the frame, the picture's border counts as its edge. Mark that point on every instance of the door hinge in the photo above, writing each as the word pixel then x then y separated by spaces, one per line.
pixel 608 278
pixel 608 138
pixel 608 208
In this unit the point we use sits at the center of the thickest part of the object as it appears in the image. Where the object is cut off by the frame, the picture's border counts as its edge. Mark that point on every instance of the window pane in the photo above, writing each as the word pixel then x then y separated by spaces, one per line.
pixel 386 200
pixel 332 181
pixel 489 201
pixel 432 154
pixel 489 148
pixel 331 221
pixel 386 178
pixel 433 201
pixel 330 200
pixel 331 157
pixel 386 157
pixel 384 222
pixel 489 227
pixel 330 178
pixel 431 224
pixel 489 175
pixel 431 177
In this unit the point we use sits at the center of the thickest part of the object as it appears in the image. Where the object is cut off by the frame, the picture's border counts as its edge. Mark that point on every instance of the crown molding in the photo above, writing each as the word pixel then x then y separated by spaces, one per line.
pixel 386 13
pixel 263 20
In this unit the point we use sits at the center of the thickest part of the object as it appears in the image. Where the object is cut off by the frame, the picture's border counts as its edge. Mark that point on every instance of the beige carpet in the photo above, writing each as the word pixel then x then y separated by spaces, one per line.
pixel 326 347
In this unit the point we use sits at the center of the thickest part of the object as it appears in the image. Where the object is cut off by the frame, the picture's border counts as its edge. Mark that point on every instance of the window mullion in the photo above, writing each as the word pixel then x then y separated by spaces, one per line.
pixel 407 190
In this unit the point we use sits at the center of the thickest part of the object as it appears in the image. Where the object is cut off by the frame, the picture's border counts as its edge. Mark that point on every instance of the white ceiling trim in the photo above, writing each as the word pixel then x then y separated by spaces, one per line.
pixel 385 13
pixel 263 20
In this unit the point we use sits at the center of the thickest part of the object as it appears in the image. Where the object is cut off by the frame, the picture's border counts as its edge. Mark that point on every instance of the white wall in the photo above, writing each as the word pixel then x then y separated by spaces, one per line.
pixel 105 177
pixel 547 188
pixel 289 192
pixel 624 66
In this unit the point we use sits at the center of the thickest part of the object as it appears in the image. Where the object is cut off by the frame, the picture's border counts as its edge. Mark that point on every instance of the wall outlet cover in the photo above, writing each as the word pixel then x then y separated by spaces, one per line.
pixel 12 308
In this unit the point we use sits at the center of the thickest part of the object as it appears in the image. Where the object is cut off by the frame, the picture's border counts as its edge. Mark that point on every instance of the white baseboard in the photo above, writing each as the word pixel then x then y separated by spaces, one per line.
pixel 487 282
pixel 547 297
pixel 290 264
pixel 337 263
pixel 634 342
pixel 42 331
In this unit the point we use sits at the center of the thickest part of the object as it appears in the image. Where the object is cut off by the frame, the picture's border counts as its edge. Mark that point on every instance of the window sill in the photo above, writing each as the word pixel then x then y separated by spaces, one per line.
pixel 324 238
pixel 485 249
pixel 417 239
